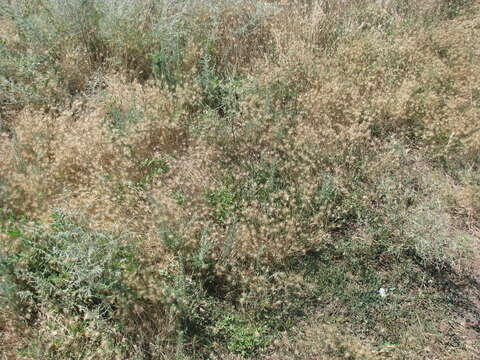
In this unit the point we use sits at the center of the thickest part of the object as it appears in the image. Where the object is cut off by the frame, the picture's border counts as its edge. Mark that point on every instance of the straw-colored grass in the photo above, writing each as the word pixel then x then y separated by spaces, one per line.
pixel 239 179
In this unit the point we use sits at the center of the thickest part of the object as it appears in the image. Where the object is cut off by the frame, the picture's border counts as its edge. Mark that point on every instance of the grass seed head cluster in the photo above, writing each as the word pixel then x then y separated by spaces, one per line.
pixel 189 179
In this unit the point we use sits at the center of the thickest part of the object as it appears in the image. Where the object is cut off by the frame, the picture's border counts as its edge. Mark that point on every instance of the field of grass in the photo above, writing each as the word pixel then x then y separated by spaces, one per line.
pixel 240 179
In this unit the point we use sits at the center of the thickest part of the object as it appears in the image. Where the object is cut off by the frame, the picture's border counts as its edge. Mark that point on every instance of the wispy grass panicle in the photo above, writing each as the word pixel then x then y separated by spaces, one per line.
pixel 239 179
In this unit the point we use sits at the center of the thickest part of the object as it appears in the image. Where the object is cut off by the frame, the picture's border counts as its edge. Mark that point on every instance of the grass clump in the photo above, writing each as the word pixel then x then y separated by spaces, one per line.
pixel 239 179
pixel 74 286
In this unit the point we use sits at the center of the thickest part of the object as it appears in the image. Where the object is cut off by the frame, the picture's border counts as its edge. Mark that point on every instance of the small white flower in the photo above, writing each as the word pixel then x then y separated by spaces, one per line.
pixel 383 292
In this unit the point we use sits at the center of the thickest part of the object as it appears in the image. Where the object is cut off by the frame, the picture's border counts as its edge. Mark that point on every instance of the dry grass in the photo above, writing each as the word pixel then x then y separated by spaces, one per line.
pixel 265 160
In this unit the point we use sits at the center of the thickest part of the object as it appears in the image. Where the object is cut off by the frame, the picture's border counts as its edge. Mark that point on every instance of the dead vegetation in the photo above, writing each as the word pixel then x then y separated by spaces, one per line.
pixel 239 179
